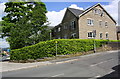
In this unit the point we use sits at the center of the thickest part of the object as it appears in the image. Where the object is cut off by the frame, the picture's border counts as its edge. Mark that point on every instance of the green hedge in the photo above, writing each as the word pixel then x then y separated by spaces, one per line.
pixel 48 48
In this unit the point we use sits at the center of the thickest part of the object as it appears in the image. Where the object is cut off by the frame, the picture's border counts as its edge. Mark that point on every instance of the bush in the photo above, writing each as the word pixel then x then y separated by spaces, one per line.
pixel 48 48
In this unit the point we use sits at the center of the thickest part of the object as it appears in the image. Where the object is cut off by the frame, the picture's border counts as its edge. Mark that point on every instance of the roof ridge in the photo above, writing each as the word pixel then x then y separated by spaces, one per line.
pixel 73 8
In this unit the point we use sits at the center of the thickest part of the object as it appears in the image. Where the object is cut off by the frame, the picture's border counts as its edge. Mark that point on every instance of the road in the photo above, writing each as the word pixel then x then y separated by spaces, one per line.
pixel 93 66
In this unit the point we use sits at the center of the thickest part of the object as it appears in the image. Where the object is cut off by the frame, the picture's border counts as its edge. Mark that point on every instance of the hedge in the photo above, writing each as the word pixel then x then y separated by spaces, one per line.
pixel 48 48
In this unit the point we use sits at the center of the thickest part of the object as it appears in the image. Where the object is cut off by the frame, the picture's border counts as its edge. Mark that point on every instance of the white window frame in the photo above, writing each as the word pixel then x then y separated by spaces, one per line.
pixel 88 34
pixel 90 22
pixel 107 37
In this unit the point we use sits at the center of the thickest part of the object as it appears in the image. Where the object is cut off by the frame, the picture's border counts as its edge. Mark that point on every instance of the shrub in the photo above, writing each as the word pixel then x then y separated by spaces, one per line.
pixel 48 48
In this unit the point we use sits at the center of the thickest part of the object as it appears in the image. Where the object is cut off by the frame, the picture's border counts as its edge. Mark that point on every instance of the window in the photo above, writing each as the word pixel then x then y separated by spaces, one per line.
pixel 59 29
pixel 102 13
pixel 90 35
pixel 89 21
pixel 100 23
pixel 97 11
pixel 100 35
pixel 73 26
pixel 73 35
pixel 106 24
pixel 106 35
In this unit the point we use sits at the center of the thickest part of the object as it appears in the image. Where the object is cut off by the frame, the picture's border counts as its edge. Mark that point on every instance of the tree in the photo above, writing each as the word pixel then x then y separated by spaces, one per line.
pixel 23 21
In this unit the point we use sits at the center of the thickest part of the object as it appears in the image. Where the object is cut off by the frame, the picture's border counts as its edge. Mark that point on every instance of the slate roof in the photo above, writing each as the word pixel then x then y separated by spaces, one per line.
pixel 76 12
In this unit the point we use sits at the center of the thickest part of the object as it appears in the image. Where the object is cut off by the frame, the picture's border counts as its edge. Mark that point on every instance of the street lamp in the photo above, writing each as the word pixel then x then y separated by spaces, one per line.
pixel 50 35
pixel 56 47
pixel 94 35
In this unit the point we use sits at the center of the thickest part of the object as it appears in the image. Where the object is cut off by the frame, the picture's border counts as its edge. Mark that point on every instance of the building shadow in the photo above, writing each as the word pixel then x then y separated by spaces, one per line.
pixel 113 75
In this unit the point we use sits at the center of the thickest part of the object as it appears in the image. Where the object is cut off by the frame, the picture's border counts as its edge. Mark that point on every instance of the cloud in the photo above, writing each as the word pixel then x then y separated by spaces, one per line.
pixel 56 17
pixel 2 8
pixel 3 43
pixel 76 7
pixel 112 9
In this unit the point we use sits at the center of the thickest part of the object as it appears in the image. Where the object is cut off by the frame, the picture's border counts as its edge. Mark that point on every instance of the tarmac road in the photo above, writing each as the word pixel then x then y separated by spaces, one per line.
pixel 93 66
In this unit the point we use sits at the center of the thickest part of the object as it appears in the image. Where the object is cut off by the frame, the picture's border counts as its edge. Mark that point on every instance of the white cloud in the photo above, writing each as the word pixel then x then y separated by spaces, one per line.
pixel 112 9
pixel 56 17
pixel 75 6
pixel 3 43
pixel 2 8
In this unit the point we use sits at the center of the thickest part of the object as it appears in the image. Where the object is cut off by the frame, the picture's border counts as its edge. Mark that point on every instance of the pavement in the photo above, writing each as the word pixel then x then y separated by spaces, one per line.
pixel 92 65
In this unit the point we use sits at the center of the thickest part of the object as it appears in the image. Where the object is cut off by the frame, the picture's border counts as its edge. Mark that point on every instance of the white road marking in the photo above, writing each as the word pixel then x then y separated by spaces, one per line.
pixel 67 61
pixel 97 76
pixel 57 75
pixel 100 63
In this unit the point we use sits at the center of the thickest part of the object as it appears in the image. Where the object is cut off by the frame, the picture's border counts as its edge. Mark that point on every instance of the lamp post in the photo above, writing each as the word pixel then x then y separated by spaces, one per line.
pixel 56 47
pixel 50 35
pixel 94 35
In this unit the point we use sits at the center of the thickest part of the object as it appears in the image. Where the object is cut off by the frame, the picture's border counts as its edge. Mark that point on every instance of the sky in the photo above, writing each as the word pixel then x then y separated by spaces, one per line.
pixel 56 11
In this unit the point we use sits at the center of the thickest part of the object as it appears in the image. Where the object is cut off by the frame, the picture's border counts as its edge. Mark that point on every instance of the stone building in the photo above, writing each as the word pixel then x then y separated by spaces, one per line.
pixel 86 24
pixel 118 32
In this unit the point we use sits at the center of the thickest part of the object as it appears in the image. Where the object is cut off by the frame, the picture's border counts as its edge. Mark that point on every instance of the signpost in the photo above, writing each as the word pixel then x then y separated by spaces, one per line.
pixel 94 35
